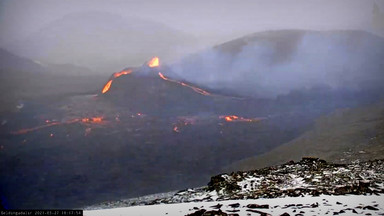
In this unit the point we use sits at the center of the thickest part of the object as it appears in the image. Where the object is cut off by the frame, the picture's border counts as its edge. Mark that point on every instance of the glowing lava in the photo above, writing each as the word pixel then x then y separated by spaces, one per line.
pixel 233 118
pixel 107 86
pixel 27 130
pixel 115 75
pixel 154 62
pixel 124 72
pixel 163 77
pixel 198 90
pixel 97 119
pixel 92 120
pixel 182 122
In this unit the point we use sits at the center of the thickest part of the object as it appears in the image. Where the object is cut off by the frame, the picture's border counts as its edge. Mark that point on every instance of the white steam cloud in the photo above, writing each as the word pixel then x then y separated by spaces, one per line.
pixel 275 63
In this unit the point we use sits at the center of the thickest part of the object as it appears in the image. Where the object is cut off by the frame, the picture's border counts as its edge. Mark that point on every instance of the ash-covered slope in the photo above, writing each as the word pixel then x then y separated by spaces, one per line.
pixel 22 79
pixel 9 61
pixel 342 136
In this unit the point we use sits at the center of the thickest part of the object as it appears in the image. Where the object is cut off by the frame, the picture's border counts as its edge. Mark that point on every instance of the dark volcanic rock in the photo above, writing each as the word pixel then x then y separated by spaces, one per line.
pixel 257 211
pixel 215 213
pixel 234 205
pixel 313 176
pixel 258 206
pixel 198 213
pixel 218 182
pixel 218 206
pixel 310 176
pixel 370 208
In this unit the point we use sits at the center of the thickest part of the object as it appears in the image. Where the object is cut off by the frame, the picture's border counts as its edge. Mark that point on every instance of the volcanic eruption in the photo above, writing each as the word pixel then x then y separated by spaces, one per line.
pixel 147 90
pixel 154 62
pixel 154 90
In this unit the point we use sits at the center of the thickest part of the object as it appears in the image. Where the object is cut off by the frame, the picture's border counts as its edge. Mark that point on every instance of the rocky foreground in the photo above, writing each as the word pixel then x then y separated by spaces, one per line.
pixel 308 187
pixel 310 176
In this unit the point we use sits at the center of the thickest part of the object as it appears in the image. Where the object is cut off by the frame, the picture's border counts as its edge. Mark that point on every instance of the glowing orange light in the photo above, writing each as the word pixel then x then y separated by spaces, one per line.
pixel 124 72
pixel 27 130
pixel 198 90
pixel 94 120
pixel 162 76
pixel 107 86
pixel 154 62
pixel 233 118
pixel 97 119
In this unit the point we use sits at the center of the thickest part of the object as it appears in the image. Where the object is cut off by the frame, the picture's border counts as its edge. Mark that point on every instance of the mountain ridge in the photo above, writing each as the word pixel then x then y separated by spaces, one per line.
pixel 100 40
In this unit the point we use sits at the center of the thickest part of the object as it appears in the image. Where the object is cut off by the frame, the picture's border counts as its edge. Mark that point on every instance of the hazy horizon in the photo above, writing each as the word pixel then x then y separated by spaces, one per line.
pixel 32 28
pixel 210 21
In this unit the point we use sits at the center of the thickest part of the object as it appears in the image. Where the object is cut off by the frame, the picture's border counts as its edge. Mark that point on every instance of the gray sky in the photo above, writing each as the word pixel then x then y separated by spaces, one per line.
pixel 212 21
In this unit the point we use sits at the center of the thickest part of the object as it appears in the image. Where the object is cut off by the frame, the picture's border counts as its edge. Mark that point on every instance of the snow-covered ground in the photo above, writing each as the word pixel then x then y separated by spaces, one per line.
pixel 307 205
pixel 308 187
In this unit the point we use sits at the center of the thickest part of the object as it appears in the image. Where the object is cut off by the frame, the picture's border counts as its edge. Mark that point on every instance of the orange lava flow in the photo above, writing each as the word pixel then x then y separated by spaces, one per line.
pixel 50 124
pixel 107 86
pixel 97 119
pixel 92 120
pixel 154 62
pixel 163 77
pixel 27 130
pixel 233 118
pixel 124 72
pixel 198 90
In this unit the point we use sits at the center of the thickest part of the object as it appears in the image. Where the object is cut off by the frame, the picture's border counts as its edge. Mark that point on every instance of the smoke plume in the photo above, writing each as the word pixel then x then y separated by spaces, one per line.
pixel 273 63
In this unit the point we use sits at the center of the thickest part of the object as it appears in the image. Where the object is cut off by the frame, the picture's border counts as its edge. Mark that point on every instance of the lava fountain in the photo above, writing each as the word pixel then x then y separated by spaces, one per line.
pixel 154 62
